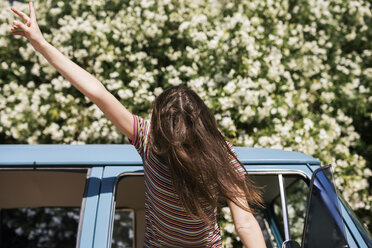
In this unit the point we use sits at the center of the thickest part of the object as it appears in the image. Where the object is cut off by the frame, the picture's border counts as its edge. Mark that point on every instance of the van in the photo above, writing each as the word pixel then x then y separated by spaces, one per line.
pixel 93 196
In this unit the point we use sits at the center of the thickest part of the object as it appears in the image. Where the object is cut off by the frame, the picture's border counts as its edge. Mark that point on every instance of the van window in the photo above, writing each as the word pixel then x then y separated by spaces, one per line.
pixel 123 235
pixel 40 208
pixel 129 217
pixel 297 191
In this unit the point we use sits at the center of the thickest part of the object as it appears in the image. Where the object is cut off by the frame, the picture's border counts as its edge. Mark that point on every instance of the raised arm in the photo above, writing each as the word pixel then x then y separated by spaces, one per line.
pixel 80 78
pixel 247 227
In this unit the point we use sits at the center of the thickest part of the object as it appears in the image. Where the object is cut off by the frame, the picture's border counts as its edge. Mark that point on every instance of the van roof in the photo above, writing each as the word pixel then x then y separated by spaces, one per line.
pixel 94 155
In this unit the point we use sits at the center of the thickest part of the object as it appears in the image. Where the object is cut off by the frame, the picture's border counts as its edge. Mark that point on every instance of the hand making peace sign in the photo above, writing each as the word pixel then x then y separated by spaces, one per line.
pixel 30 28
pixel 85 82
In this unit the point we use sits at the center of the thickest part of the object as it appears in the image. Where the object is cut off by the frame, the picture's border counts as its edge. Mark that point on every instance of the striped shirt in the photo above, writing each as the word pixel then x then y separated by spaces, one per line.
pixel 167 222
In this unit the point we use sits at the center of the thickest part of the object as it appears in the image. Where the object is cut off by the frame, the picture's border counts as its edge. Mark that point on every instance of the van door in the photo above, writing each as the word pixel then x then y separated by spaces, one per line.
pixel 324 226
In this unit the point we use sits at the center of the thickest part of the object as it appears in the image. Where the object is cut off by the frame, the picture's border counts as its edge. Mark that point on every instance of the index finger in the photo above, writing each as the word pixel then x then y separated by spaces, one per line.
pixel 32 11
pixel 20 14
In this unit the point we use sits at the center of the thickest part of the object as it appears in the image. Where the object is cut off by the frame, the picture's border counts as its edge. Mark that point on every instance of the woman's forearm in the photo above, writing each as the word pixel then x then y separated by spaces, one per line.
pixel 80 78
pixel 247 226
pixel 251 235
pixel 89 86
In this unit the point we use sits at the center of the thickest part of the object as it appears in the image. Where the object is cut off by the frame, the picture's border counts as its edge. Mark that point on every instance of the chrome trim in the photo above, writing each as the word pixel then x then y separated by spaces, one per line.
pixel 17 168
pixel 278 172
pixel 119 177
pixel 42 168
pixel 284 206
pixel 82 208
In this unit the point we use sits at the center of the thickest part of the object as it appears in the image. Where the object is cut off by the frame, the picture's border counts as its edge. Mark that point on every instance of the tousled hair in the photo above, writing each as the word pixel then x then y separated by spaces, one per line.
pixel 185 137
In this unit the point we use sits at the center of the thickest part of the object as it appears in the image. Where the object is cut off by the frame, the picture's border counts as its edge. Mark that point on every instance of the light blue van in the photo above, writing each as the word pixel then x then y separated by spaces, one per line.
pixel 93 196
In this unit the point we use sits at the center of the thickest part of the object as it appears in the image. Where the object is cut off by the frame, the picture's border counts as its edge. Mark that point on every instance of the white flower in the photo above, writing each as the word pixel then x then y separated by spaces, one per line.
pixel 175 81
pixel 158 91
pixel 125 94
pixel 229 228
pixel 114 74
pixel 230 87
pixel 55 11
pixel 134 84
pixel 213 44
pixel 228 123
pixel 4 66
pixel 183 26
pixel 298 139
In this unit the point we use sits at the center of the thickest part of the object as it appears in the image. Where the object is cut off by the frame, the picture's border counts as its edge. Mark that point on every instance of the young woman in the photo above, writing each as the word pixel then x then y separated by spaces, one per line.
pixel 188 164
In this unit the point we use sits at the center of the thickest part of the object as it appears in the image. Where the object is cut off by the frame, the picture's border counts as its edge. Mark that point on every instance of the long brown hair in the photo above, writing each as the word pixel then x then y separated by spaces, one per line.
pixel 185 136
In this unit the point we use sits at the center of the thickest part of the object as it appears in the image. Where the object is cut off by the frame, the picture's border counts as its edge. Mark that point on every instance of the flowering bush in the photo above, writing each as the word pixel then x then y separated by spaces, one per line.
pixel 280 74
